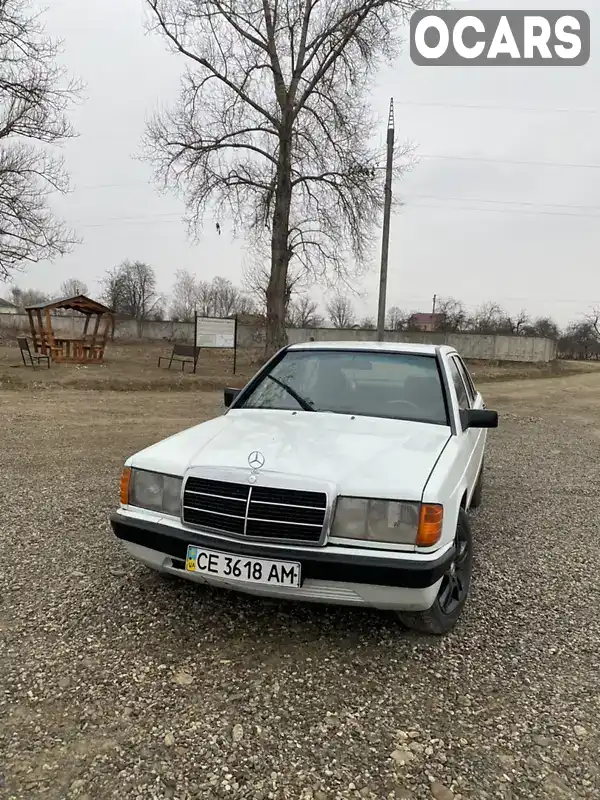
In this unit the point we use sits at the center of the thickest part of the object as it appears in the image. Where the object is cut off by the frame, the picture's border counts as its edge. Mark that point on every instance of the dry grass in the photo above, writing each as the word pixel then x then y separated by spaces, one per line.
pixel 133 367
pixel 129 367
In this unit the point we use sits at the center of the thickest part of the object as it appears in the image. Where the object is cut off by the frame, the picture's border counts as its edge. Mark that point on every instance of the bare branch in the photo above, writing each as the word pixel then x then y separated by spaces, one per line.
pixel 341 312
pixel 273 128
pixel 34 95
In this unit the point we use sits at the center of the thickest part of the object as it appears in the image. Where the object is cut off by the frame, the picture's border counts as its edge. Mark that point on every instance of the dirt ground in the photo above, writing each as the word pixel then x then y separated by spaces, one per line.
pixel 115 683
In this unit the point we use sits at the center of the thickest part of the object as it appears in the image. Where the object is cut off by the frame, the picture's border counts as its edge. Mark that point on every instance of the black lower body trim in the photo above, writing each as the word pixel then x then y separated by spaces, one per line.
pixel 320 565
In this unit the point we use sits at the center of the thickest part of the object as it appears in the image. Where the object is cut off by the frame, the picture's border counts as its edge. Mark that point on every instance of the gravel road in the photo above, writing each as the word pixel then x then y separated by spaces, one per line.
pixel 116 683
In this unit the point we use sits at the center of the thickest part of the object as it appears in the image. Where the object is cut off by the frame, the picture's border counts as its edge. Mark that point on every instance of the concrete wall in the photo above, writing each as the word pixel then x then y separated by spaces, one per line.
pixel 469 345
pixel 127 330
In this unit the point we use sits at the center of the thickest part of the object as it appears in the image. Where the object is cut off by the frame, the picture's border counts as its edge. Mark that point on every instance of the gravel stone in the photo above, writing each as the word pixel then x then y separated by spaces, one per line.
pixel 183 678
pixel 237 733
pixel 402 756
pixel 441 792
pixel 542 741
pixel 89 656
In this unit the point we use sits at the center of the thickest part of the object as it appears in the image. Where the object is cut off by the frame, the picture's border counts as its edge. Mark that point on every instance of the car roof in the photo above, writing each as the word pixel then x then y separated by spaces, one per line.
pixel 416 348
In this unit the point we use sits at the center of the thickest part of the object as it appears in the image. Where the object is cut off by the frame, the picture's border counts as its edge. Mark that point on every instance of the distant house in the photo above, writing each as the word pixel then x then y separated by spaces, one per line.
pixel 8 308
pixel 425 322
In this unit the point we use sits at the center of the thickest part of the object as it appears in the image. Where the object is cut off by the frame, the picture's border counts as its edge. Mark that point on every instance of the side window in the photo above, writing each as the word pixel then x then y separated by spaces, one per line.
pixel 461 392
pixel 471 390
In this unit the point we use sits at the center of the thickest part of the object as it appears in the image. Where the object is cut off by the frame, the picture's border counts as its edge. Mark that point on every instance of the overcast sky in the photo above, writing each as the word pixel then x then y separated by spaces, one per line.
pixel 475 225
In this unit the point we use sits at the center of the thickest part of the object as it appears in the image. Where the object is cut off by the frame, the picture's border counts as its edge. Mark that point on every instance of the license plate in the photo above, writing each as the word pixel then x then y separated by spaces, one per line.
pixel 242 569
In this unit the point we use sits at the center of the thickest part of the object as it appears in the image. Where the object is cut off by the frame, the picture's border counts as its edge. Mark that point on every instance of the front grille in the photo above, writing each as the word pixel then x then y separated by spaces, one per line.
pixel 260 512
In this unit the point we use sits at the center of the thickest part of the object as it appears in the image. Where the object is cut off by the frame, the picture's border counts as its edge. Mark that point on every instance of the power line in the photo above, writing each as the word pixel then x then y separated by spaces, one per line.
pixel 503 210
pixel 505 202
pixel 418 103
pixel 531 208
pixel 505 298
pixel 150 184
pixel 170 217
pixel 443 157
pixel 561 164
pixel 178 217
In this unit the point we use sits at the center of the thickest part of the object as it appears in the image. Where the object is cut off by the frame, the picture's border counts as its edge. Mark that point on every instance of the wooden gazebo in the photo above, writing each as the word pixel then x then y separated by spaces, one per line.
pixel 87 347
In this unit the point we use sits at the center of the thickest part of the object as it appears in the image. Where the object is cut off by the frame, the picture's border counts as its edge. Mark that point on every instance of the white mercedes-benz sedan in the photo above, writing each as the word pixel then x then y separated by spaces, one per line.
pixel 341 473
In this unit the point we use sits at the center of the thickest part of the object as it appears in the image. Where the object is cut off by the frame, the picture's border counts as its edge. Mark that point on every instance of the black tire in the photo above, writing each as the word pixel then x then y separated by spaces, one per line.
pixel 454 589
pixel 478 490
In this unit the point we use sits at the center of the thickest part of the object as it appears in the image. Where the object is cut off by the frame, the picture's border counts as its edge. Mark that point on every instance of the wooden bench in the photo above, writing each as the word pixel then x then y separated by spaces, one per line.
pixel 183 354
pixel 33 357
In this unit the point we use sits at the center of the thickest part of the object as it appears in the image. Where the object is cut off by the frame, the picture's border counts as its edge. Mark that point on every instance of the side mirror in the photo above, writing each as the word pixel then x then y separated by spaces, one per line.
pixel 479 418
pixel 229 396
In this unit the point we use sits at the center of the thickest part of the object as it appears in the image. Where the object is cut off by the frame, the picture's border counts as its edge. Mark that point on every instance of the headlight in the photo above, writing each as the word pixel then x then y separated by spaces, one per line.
pixel 393 521
pixel 155 492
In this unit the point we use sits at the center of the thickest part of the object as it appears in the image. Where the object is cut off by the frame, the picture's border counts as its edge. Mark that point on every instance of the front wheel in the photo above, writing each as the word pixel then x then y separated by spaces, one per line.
pixel 454 588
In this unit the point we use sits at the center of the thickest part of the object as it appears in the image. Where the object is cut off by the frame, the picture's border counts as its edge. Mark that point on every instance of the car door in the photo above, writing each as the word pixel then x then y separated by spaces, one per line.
pixel 477 402
pixel 474 395
pixel 467 398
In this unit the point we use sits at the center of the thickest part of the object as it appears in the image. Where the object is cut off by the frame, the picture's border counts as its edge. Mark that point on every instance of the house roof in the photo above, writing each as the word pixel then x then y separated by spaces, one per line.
pixel 427 318
pixel 77 303
pixel 6 304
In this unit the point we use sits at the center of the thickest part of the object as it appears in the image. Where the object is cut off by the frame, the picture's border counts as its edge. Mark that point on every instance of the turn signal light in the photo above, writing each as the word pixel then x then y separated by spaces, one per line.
pixel 431 518
pixel 124 488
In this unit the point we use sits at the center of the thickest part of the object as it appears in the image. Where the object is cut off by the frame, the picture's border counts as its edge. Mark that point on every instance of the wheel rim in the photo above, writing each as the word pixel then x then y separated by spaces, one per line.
pixel 455 583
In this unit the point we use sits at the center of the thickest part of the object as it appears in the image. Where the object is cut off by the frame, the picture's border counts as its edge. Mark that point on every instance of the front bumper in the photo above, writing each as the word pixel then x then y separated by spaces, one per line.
pixel 379 579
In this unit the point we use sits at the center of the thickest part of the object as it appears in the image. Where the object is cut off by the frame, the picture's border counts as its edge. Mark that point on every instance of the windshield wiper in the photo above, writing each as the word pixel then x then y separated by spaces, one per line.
pixel 305 405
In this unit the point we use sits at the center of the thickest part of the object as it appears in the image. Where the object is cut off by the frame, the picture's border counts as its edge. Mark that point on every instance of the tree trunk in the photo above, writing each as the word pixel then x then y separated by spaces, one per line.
pixel 276 335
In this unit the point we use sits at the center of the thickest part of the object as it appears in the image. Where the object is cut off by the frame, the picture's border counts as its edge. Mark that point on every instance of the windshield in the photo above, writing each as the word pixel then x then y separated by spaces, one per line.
pixel 372 384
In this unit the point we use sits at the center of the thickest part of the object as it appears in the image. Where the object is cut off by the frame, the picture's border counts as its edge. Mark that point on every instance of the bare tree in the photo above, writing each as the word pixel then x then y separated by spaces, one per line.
pixel 205 299
pixel 34 95
pixel 487 318
pixel 367 323
pixel 544 327
pixel 454 315
pixel 185 296
pixel 113 289
pixel 593 319
pixel 226 297
pixel 581 340
pixel 130 290
pixel 72 287
pixel 27 297
pixel 273 125
pixel 141 298
pixel 341 312
pixel 513 325
pixel 303 313
pixel 396 319
pixel 256 281
pixel 220 298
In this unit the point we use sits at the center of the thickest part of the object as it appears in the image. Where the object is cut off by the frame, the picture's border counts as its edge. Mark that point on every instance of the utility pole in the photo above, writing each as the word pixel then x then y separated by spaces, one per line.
pixel 385 240
pixel 434 299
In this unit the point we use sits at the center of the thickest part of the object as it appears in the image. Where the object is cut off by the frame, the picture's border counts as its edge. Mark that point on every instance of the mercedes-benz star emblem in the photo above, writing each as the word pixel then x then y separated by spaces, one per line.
pixel 256 459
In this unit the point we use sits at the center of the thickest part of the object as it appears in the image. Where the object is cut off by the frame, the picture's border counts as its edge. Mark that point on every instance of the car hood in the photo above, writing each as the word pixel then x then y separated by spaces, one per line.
pixel 362 456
